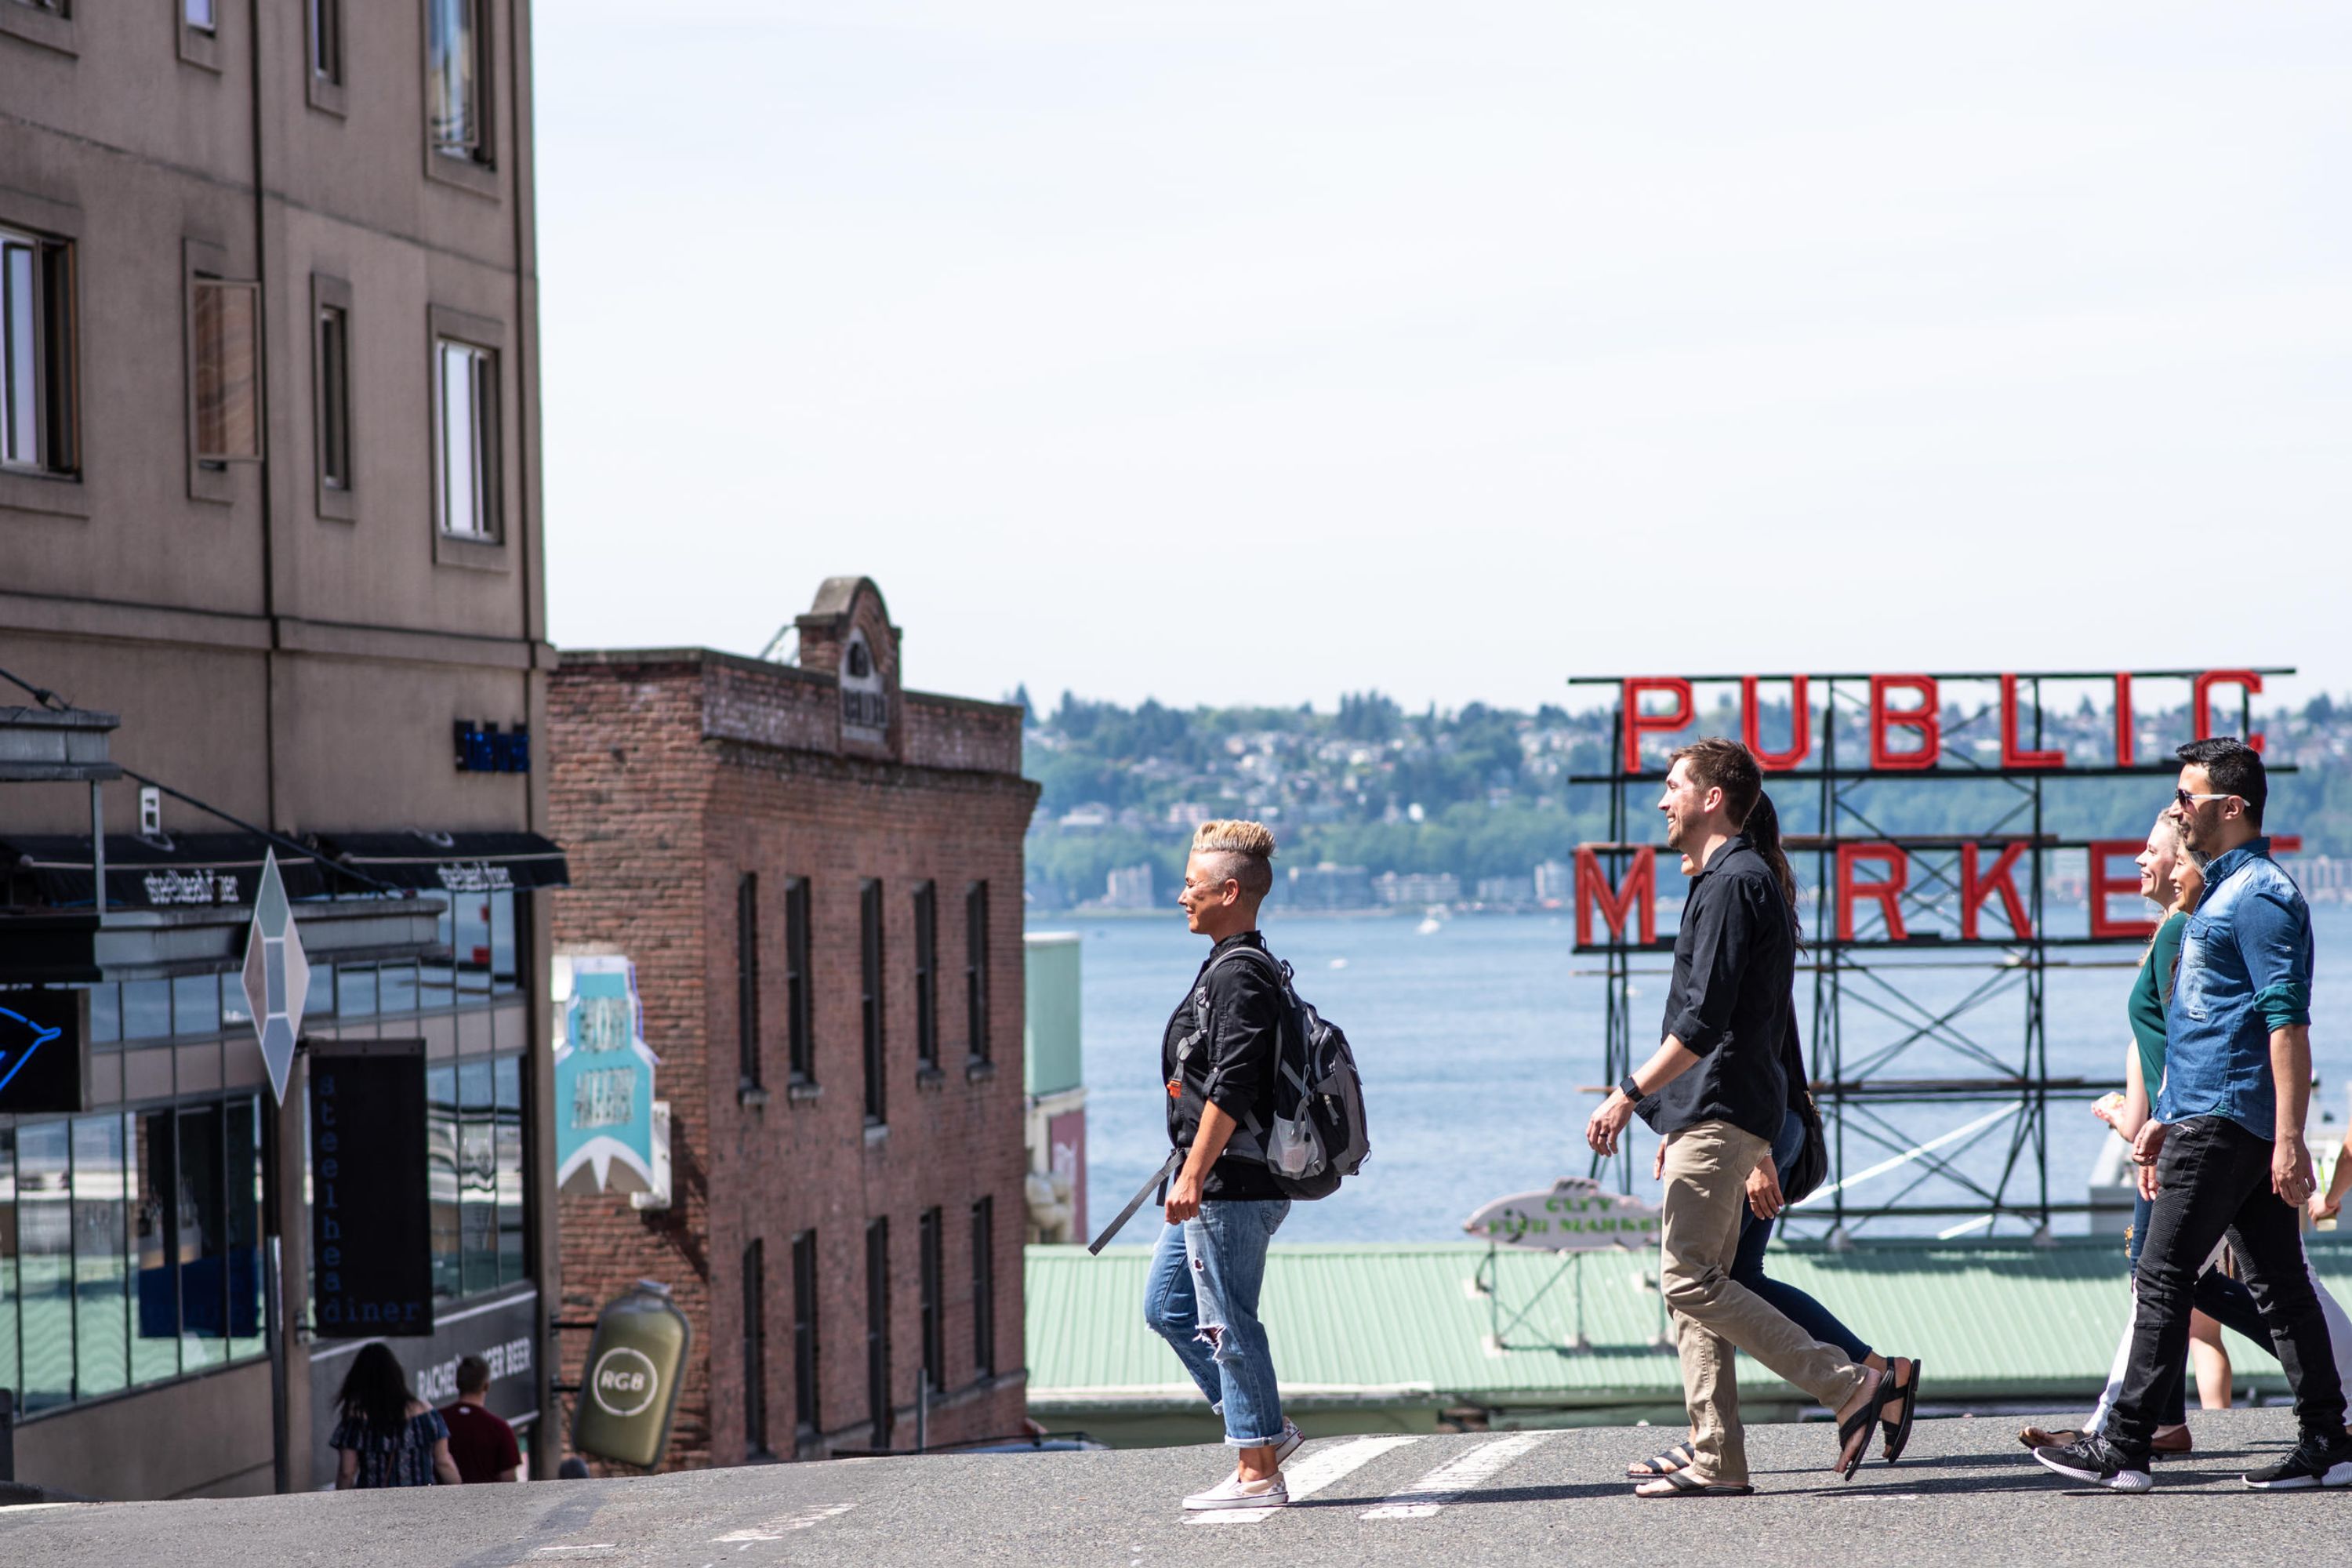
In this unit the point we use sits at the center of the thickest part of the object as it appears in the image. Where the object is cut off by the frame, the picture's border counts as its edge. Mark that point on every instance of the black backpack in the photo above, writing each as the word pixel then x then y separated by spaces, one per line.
pixel 1318 1135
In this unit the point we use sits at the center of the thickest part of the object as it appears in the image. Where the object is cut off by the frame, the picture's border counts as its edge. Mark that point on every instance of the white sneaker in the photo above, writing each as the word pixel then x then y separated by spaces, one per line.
pixel 1291 1437
pixel 1235 1492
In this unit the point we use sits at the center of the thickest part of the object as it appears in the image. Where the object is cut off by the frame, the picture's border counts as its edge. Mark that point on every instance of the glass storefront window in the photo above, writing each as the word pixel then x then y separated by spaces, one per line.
pixel 508 1101
pixel 105 1013
pixel 441 1179
pixel 320 1003
pixel 202 1233
pixel 196 1005
pixel 396 988
pixel 146 1009
pixel 470 941
pixel 8 1378
pixel 45 1265
pixel 478 1199
pixel 503 961
pixel 435 986
pixel 355 991
pixel 101 1275
pixel 155 1347
pixel 241 1189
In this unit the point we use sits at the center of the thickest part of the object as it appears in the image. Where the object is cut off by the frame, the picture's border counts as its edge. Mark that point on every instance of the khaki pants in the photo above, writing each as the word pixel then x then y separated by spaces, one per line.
pixel 1706 1172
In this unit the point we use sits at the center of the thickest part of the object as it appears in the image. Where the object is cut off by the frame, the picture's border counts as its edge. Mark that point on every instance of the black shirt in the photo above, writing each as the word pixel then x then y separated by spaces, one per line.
pixel 1735 960
pixel 1232 1065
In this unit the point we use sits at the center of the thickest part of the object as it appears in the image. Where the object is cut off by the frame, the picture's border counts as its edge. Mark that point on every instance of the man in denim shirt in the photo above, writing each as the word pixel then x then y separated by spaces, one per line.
pixel 2225 1153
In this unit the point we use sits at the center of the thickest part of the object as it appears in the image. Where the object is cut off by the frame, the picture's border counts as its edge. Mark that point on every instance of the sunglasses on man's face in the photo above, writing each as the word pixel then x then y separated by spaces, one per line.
pixel 2188 802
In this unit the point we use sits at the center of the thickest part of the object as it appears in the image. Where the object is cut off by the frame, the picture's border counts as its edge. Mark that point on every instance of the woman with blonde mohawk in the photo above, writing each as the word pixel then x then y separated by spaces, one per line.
pixel 1218 1059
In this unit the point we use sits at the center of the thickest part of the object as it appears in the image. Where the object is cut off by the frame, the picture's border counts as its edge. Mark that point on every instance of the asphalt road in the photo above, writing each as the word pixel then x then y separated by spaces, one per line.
pixel 1966 1492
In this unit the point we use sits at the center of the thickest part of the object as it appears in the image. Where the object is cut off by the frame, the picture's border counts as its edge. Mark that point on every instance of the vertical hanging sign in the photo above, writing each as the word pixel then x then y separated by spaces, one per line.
pixel 603 1078
pixel 277 976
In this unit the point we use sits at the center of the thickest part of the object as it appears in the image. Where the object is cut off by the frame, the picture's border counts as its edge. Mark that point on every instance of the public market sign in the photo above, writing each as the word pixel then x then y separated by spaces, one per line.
pixel 604 1078
pixel 1571 1215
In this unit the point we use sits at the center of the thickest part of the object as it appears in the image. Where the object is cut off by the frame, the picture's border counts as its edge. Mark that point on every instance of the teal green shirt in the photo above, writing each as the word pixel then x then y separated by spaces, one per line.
pixel 2150 989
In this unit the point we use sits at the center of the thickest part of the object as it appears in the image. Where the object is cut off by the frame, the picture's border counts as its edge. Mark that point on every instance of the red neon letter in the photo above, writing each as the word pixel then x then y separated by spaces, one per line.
pixel 1800 726
pixel 2012 755
pixel 1974 890
pixel 2211 678
pixel 1638 723
pixel 1923 719
pixel 1639 893
pixel 2103 886
pixel 2286 843
pixel 1888 890
pixel 2123 719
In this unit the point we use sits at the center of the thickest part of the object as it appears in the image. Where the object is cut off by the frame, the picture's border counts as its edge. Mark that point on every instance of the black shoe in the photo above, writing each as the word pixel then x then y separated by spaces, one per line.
pixel 2099 1462
pixel 2315 1462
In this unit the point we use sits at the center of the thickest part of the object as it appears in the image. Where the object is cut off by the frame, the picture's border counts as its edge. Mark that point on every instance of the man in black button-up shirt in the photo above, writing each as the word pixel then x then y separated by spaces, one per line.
pixel 1715 1092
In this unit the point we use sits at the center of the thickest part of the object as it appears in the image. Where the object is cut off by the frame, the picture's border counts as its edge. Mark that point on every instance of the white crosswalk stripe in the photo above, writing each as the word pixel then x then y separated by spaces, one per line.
pixel 776 1528
pixel 1451 1480
pixel 1309 1474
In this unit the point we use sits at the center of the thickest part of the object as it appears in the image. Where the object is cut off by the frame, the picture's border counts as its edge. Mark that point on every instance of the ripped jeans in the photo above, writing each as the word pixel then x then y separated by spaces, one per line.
pixel 1203 1300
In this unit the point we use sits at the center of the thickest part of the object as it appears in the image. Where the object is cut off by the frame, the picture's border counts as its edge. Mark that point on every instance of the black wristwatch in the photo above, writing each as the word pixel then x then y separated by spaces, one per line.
pixel 1628 1088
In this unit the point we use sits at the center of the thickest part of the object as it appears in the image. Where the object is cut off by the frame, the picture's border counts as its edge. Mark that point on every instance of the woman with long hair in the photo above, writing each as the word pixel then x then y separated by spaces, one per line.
pixel 387 1438
pixel 1762 831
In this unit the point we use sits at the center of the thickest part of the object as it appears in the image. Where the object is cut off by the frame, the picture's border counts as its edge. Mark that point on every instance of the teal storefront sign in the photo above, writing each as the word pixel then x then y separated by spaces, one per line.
pixel 604 1078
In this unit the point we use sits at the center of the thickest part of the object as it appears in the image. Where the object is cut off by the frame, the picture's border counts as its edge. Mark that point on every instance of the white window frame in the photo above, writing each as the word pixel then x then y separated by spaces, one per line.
pixel 27 395
pixel 479 501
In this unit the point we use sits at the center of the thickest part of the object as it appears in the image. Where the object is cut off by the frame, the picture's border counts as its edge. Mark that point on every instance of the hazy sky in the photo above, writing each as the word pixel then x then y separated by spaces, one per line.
pixel 1260 352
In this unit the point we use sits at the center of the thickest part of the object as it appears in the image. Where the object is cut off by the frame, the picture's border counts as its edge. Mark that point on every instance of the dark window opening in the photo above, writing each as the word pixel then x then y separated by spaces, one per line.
pixel 456 74
pixel 877 1330
pixel 755 1349
pixel 805 1361
pixel 927 975
pixel 975 969
pixel 870 926
pixel 334 412
pixel 931 1269
pixel 799 1004
pixel 327 40
pixel 983 1287
pixel 747 980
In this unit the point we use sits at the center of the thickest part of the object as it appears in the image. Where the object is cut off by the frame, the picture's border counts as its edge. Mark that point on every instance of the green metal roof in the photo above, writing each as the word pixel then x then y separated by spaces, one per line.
pixel 1406 1325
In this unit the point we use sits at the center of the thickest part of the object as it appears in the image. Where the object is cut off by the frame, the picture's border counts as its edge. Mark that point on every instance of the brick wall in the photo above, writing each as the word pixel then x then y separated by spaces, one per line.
pixel 664 808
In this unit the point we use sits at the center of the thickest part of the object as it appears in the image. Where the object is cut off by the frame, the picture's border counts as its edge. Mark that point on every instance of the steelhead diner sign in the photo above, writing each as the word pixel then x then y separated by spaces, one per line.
pixel 1572 1215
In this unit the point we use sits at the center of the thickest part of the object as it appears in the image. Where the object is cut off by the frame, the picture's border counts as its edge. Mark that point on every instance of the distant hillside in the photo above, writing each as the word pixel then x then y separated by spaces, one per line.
pixel 1479 792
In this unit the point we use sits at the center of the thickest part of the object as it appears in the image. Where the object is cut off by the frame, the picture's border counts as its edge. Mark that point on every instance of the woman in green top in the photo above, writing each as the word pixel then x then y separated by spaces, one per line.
pixel 2171 878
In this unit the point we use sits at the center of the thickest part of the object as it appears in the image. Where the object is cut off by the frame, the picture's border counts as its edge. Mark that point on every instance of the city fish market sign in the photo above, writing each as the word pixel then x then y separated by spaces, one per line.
pixel 1573 1216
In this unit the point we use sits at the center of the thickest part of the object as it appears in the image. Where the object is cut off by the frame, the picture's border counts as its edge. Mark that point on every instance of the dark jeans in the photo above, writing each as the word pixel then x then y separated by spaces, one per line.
pixel 2225 1300
pixel 2214 1179
pixel 1747 1263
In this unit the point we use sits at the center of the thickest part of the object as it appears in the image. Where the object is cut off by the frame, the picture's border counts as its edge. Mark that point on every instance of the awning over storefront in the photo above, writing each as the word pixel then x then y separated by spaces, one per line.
pixel 451 862
pixel 180 871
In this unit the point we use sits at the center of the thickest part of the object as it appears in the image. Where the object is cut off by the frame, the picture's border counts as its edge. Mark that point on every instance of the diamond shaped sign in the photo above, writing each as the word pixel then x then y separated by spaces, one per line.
pixel 277 976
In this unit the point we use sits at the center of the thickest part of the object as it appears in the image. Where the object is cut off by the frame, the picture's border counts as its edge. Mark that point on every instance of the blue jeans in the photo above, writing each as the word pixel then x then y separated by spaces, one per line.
pixel 1747 1263
pixel 1203 1300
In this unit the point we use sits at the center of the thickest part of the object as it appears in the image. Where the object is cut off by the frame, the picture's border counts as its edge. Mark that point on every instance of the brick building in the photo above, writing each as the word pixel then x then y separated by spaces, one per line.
pixel 818 880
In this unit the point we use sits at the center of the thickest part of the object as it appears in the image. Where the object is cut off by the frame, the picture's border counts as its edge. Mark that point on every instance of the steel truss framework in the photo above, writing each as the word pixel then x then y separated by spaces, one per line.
pixel 1871 1018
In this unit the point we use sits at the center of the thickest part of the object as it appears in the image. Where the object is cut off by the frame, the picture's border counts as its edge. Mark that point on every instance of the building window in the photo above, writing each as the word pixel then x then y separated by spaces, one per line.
pixel 330 378
pixel 198 14
pixel 799 1004
pixel 975 969
pixel 983 1287
pixel 877 1330
pixel 804 1363
pixel 227 324
pixel 465 440
pixel 755 1350
pixel 747 980
pixel 326 17
pixel 869 947
pixel 130 1249
pixel 37 340
pixel 927 975
pixel 929 1264
pixel 455 60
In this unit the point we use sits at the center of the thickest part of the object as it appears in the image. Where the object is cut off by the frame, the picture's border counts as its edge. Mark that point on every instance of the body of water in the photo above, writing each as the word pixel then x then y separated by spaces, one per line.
pixel 1473 1040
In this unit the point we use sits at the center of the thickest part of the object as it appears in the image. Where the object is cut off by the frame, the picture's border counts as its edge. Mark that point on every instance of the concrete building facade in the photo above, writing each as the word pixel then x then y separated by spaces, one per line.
pixel 817 877
pixel 268 496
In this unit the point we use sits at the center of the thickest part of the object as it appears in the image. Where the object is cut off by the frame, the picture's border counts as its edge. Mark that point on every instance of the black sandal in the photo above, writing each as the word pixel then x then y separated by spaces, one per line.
pixel 1899 1430
pixel 1686 1485
pixel 1853 1431
pixel 1677 1457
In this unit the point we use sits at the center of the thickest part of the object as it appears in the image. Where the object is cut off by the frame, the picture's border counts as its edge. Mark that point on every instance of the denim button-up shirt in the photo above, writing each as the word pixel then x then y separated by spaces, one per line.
pixel 2245 970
